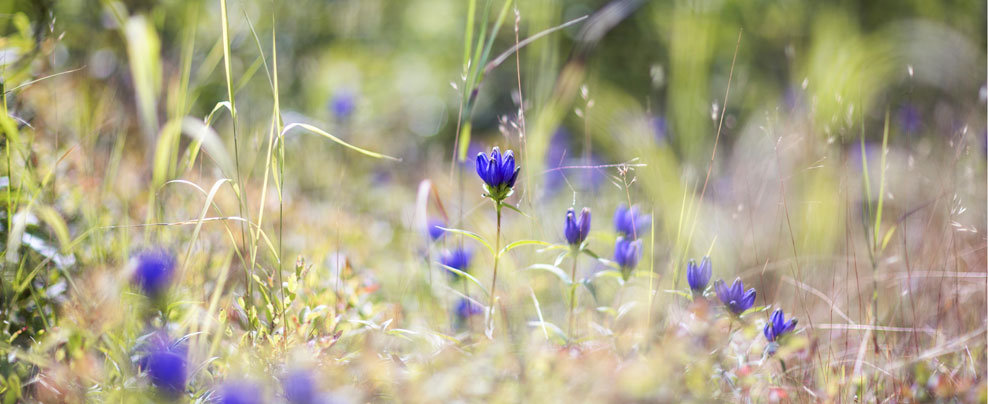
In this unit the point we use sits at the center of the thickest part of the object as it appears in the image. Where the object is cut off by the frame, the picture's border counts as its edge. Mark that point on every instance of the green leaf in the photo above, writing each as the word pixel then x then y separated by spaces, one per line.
pixel 557 333
pixel 515 208
pixel 520 243
pixel 560 258
pixel 881 179
pixel 552 270
pixel 464 141
pixel 472 235
pixel 14 383
pixel 756 309
pixel 590 287
pixel 888 236
pixel 325 134
pixel 467 276
pixel 604 261
pixel 610 273
pixel 607 310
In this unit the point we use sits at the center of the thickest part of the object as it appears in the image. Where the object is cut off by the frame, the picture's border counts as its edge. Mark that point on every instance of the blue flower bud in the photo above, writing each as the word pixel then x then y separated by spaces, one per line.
pixel 458 258
pixel 465 308
pixel 629 223
pixel 240 392
pixel 166 366
pixel 698 276
pixel 435 229
pixel 498 172
pixel 155 269
pixel 343 104
pixel 577 229
pixel 300 388
pixel 626 254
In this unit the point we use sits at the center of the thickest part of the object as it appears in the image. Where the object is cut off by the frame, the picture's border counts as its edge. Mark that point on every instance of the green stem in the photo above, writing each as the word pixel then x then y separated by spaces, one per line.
pixel 497 255
pixel 572 294
pixel 242 188
pixel 10 184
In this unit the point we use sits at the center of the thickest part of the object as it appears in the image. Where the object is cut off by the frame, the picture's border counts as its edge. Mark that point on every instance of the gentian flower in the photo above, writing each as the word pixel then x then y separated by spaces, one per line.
pixel 458 258
pixel 435 229
pixel 498 172
pixel 659 127
pixel 629 222
pixel 734 297
pixel 577 229
pixel 155 269
pixel 626 254
pixel 240 392
pixel 910 118
pixel 166 367
pixel 300 388
pixel 698 276
pixel 343 104
pixel 778 326
pixel 466 308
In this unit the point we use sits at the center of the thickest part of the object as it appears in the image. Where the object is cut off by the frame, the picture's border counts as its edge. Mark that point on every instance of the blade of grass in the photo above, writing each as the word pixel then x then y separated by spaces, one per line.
pixel 325 134
pixel 881 180
pixel 240 188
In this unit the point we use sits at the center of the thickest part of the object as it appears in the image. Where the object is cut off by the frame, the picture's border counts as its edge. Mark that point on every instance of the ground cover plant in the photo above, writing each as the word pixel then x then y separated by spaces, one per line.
pixel 248 201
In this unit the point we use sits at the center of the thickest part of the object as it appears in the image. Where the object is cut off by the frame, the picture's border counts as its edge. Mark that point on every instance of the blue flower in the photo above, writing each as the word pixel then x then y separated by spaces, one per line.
pixel 577 229
pixel 458 258
pixel 629 222
pixel 698 276
pixel 734 297
pixel 778 326
pixel 155 269
pixel 240 392
pixel 343 104
pixel 300 388
pixel 498 172
pixel 910 118
pixel 466 308
pixel 435 229
pixel 166 366
pixel 626 254
pixel 660 128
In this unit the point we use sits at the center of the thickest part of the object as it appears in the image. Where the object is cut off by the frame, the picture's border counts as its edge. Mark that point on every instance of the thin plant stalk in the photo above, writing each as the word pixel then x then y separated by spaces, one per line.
pixel 572 293
pixel 242 189
pixel 497 255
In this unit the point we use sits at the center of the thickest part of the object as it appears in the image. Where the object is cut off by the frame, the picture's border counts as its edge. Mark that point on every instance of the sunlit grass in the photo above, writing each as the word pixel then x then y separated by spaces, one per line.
pixel 309 261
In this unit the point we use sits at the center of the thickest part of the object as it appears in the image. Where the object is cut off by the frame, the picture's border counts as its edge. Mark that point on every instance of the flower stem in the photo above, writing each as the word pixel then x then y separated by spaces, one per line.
pixel 572 294
pixel 497 255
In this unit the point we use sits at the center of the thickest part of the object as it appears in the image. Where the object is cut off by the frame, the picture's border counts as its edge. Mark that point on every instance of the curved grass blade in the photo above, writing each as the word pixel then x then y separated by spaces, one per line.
pixel 465 275
pixel 552 270
pixel 538 310
pixel 202 216
pixel 325 134
pixel 199 131
pixel 472 235
pixel 520 243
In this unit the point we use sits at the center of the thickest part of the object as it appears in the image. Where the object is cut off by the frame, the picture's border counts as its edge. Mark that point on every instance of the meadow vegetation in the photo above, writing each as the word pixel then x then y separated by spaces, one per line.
pixel 349 201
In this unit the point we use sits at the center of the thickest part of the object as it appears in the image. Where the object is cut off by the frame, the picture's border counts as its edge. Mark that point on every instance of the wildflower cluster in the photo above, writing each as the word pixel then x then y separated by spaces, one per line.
pixel 498 172
pixel 628 248
pixel 736 300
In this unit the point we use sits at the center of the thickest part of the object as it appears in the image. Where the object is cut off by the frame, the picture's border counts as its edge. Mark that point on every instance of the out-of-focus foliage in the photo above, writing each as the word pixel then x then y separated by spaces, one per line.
pixel 830 154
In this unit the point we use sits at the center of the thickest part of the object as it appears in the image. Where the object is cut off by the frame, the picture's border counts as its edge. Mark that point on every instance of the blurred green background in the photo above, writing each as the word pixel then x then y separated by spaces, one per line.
pixel 99 91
